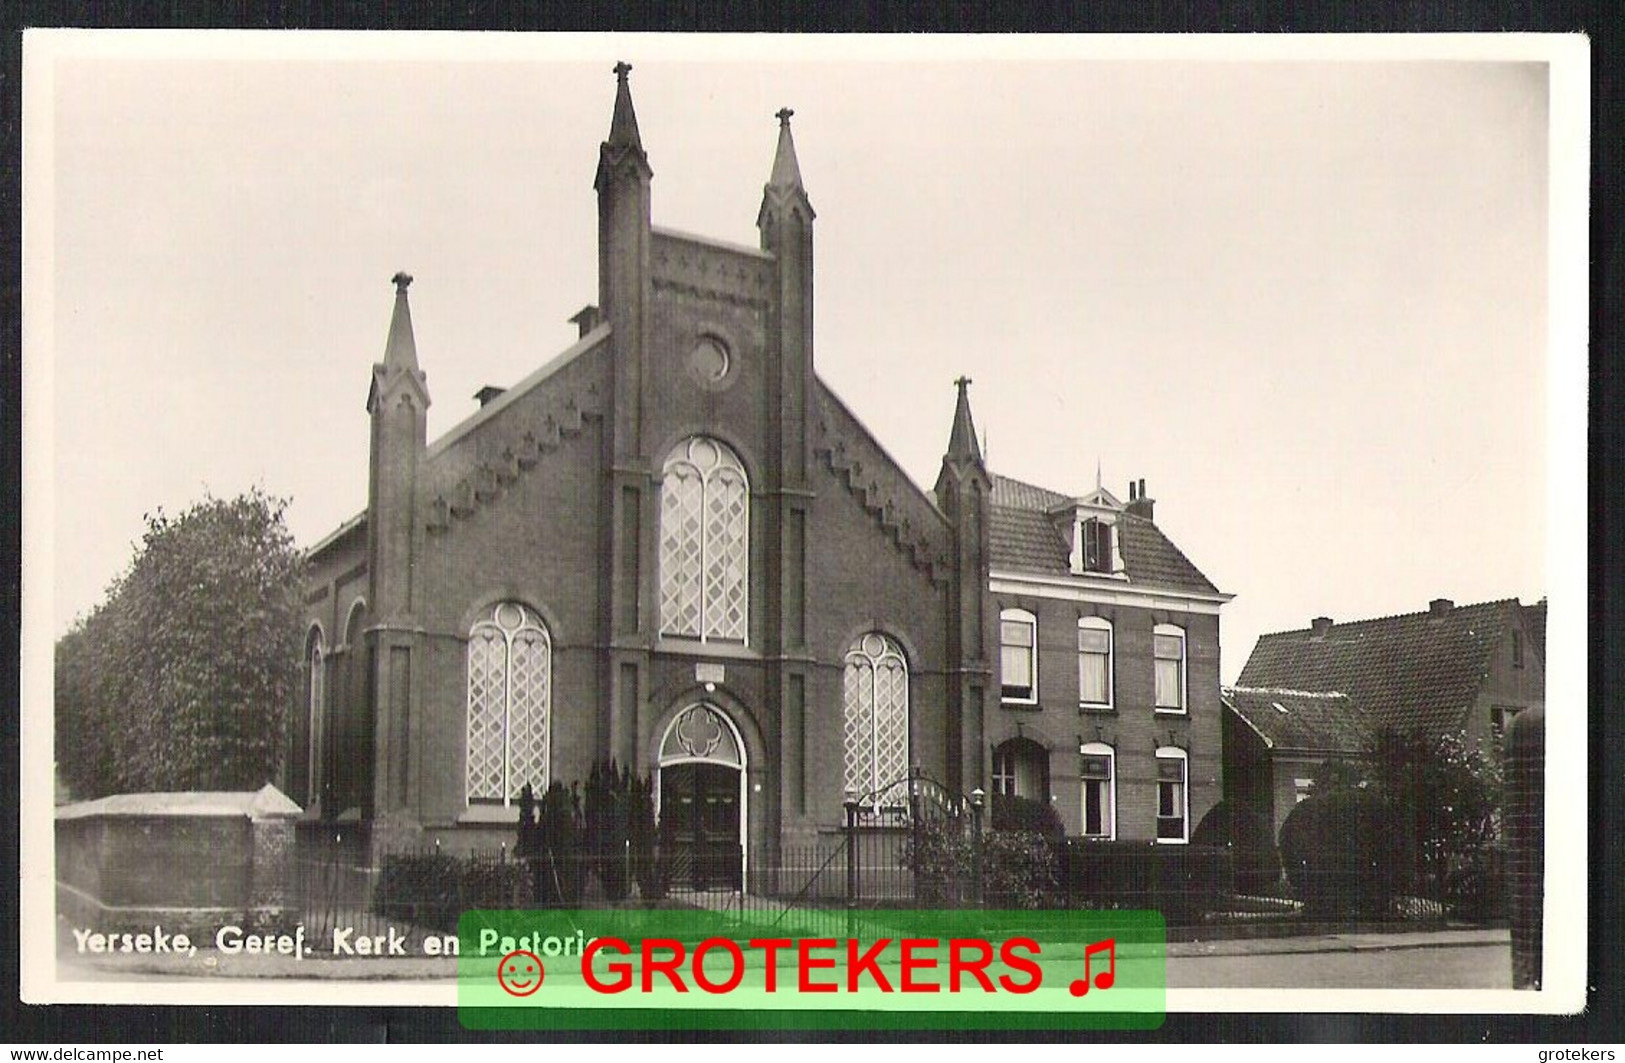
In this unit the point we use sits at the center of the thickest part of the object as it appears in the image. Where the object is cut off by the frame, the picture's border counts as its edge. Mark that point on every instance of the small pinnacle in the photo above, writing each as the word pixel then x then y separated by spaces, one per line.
pixel 783 115
pixel 401 280
pixel 621 70
pixel 962 383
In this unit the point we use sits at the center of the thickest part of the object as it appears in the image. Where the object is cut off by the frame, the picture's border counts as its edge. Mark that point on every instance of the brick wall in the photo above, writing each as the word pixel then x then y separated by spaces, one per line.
pixel 187 861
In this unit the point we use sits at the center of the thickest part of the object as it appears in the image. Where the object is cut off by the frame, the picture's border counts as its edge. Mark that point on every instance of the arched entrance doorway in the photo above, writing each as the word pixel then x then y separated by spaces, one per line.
pixel 702 800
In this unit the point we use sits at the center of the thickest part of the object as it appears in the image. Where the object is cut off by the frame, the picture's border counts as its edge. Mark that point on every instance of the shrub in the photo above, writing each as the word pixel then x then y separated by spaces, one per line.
pixel 1246 833
pixel 942 855
pixel 1184 882
pixel 1451 797
pixel 1019 869
pixel 433 890
pixel 1011 813
pixel 550 843
pixel 618 823
pixel 1345 853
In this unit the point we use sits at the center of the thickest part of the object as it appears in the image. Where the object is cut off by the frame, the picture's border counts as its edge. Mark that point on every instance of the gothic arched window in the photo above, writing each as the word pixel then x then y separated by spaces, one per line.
pixel 704 543
pixel 509 699
pixel 875 728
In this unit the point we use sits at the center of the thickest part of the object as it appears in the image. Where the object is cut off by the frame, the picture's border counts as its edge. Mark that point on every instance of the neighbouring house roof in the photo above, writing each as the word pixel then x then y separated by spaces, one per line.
pixel 1023 538
pixel 1302 721
pixel 1534 622
pixel 1417 671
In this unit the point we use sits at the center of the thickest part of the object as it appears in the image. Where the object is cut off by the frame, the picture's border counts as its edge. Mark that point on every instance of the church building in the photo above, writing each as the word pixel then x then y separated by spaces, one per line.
pixel 674 546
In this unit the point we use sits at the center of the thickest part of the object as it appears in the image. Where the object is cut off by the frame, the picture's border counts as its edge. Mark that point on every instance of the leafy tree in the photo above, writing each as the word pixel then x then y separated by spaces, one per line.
pixel 1450 795
pixel 181 678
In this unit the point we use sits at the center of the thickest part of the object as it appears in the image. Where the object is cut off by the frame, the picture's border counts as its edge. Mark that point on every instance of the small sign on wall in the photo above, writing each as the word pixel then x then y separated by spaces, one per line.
pixel 709 672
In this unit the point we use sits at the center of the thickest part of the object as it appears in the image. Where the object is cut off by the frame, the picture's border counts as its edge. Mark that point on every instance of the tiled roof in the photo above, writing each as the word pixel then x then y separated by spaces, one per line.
pixel 1022 538
pixel 1300 720
pixel 1413 671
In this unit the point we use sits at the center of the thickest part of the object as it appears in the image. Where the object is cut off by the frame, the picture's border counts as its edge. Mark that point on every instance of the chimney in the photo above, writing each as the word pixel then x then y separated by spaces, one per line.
pixel 1139 503
pixel 586 319
pixel 1320 626
pixel 488 392
pixel 1440 607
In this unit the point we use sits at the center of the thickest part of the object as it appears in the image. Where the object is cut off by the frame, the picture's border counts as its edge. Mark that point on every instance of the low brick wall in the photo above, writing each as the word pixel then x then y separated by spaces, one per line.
pixel 189 862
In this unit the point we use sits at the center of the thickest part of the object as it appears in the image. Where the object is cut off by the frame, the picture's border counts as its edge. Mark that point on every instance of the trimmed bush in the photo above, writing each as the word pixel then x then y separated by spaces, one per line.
pixel 1345 853
pixel 1184 882
pixel 1246 833
pixel 433 890
pixel 1012 813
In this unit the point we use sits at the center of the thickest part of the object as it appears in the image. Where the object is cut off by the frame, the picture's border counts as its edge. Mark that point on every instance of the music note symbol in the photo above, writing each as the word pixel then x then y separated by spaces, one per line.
pixel 1105 978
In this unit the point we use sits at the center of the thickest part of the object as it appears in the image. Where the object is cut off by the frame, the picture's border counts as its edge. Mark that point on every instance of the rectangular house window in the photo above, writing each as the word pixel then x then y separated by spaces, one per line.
pixel 1094 662
pixel 1098 796
pixel 1018 656
pixel 1169 650
pixel 1172 796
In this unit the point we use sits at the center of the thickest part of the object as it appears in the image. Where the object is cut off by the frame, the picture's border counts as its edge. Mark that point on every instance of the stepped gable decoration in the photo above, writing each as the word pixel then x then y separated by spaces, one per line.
pixel 490 478
pixel 909 519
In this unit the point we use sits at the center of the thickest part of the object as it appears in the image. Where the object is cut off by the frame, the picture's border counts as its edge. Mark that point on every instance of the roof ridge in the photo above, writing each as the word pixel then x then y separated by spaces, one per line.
pixel 1015 484
pixel 1422 613
pixel 1288 691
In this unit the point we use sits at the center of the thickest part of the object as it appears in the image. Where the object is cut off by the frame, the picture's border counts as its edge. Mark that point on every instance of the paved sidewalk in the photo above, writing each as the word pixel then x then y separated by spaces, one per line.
pixel 1427 939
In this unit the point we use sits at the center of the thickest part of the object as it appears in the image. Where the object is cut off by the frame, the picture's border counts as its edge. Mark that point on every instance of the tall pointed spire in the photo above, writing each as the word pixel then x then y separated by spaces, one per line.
pixel 621 156
pixel 401 349
pixel 400 361
pixel 623 124
pixel 784 194
pixel 962 445
pixel 786 171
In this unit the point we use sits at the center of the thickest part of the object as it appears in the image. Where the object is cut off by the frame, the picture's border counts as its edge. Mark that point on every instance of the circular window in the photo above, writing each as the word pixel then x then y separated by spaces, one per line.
pixel 708 361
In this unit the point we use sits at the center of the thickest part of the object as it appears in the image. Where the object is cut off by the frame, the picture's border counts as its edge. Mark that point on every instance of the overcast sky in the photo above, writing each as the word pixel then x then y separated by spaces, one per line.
pixel 1306 301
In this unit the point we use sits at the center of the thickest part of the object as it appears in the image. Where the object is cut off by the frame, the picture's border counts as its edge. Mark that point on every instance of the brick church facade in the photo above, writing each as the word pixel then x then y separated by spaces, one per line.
pixel 674 546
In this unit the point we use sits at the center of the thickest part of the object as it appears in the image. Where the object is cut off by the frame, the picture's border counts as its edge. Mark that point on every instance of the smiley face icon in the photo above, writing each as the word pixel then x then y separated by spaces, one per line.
pixel 520 973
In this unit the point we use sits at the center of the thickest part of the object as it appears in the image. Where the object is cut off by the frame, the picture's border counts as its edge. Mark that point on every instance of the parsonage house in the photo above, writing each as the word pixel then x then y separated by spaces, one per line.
pixel 674 546
pixel 1322 693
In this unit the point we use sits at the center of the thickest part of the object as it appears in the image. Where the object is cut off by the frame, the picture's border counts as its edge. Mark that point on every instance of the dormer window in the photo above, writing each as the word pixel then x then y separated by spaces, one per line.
pixel 1091 526
pixel 1096 539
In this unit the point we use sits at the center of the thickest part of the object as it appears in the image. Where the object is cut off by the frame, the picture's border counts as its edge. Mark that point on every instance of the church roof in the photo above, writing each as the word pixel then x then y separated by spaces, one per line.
pixel 1417 671
pixel 1023 538
pixel 1301 721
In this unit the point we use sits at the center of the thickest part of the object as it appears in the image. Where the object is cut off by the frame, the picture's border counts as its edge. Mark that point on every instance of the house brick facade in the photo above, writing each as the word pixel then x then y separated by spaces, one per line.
pixel 674 546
